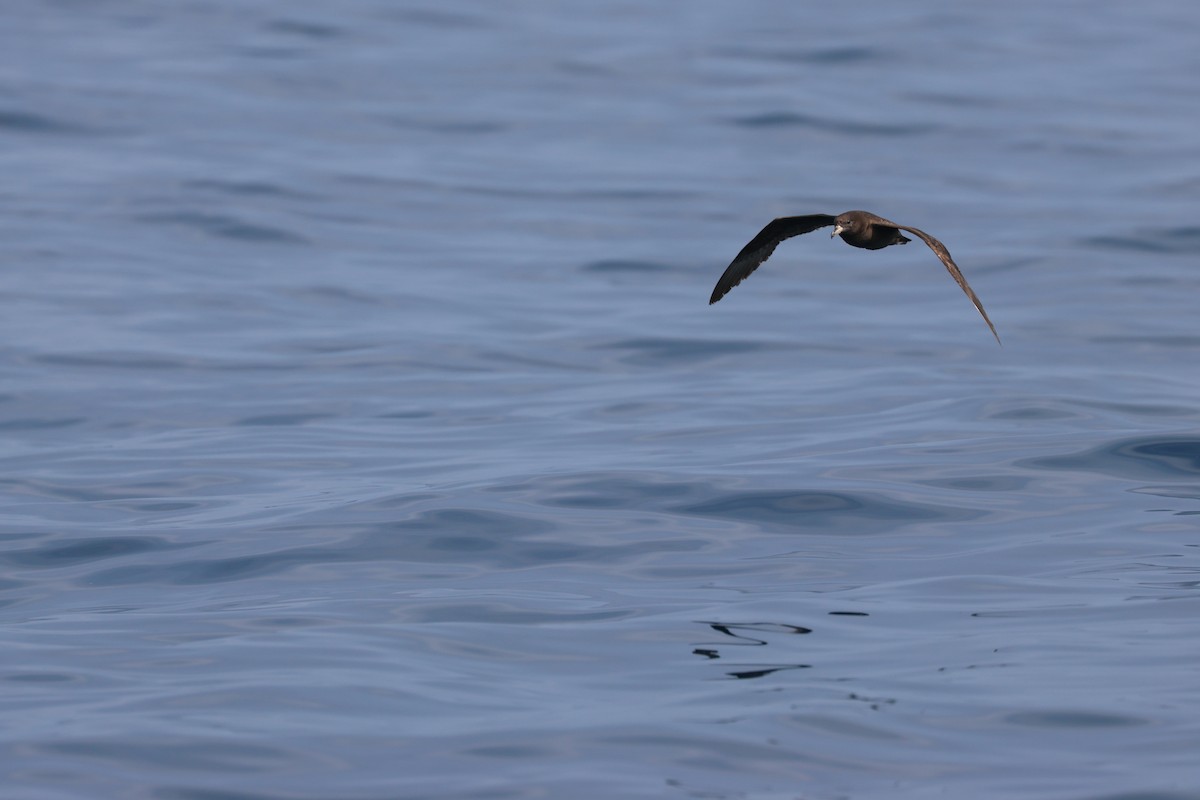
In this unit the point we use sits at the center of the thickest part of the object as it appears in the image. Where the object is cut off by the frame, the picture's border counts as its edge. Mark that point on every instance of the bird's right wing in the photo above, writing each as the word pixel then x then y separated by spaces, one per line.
pixel 760 248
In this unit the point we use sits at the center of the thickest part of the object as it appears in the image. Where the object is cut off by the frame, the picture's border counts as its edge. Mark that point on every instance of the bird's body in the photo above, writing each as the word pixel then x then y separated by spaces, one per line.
pixel 857 229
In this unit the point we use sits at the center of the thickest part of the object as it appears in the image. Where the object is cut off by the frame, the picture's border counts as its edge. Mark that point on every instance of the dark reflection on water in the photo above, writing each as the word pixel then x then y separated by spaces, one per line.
pixel 1143 457
pixel 762 672
pixel 751 634
pixel 742 630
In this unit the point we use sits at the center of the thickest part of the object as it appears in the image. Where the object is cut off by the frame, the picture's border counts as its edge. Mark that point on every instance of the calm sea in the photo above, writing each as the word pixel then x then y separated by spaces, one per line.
pixel 365 432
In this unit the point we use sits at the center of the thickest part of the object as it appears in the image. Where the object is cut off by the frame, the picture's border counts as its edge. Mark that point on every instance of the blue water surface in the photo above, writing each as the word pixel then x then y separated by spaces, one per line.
pixel 365 432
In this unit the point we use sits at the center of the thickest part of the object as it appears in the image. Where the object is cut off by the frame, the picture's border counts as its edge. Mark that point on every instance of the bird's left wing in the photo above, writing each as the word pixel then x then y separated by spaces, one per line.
pixel 942 253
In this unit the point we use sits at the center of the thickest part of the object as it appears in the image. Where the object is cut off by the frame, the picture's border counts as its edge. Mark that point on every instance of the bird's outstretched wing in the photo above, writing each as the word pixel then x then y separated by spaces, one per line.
pixel 760 248
pixel 942 253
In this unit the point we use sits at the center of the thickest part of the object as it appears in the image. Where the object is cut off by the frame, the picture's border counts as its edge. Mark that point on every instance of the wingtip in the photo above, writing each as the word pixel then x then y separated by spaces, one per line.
pixel 991 327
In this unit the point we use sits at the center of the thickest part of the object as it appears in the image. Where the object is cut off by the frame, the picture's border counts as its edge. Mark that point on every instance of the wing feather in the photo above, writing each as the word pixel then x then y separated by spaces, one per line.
pixel 759 248
pixel 943 254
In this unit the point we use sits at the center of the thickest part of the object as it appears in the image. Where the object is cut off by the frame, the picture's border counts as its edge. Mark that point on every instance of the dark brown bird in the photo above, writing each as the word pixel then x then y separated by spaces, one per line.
pixel 857 228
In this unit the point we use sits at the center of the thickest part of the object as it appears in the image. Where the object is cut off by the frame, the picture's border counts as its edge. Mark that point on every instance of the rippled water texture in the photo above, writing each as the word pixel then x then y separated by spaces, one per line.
pixel 366 433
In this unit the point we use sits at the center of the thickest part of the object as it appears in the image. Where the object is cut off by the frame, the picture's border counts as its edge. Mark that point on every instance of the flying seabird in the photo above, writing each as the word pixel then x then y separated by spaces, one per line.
pixel 857 229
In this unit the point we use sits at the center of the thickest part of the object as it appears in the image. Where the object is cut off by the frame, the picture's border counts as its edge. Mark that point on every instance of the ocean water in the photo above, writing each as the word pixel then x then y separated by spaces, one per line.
pixel 366 433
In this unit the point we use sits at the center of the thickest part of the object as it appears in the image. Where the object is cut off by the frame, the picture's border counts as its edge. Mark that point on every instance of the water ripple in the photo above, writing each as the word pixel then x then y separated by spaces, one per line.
pixel 1138 458
pixel 27 122
pixel 615 265
pixel 451 536
pixel 226 226
pixel 1184 240
pixel 99 548
pixel 664 351
pixel 860 513
pixel 792 119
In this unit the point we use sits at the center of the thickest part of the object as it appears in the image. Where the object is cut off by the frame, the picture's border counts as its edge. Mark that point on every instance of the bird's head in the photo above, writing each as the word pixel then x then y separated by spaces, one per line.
pixel 846 223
